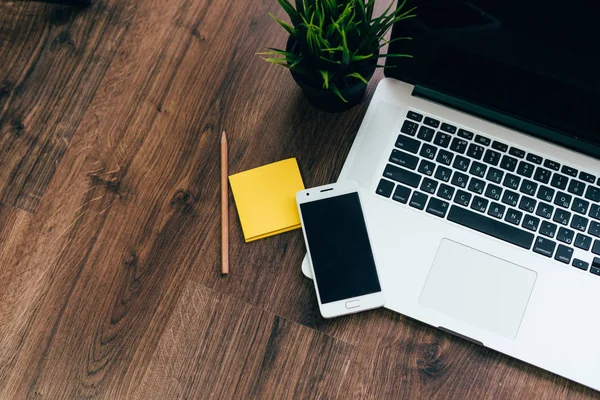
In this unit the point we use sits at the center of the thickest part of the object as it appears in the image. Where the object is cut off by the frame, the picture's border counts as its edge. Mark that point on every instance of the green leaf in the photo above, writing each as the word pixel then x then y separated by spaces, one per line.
pixel 285 26
pixel 386 42
pixel 330 60
pixel 290 10
pixel 335 90
pixel 325 76
pixel 395 55
pixel 358 76
pixel 358 57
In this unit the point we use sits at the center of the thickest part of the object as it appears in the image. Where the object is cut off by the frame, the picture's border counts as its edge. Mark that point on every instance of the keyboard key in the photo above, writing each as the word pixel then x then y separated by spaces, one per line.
pixel 544 247
pixel 564 254
pixel 384 188
pixel 525 169
pixel 496 210
pixel 479 204
pixel 595 211
pixel 404 159
pixel 494 175
pixel 437 207
pixel 465 134
pixel 516 152
pixel 544 210
pixel 459 145
pixel 580 206
pixel 407 144
pixel 565 235
pixel 442 139
pixel 559 181
pixel 426 167
pixel 476 186
pixel 508 163
pixel 583 242
pixel 414 116
pixel 511 198
pixel 443 174
pixel 562 199
pixel 409 127
pixel 401 194
pixel 527 204
pixel 534 159
pixel 548 228
pixel 445 191
pixel 491 157
pixel 482 140
pixel 592 193
pixel 511 181
pixel 528 187
pixel 489 226
pixel 499 146
pixel 542 175
pixel 418 200
pixel 448 128
pixel 531 223
pixel 460 180
pixel 552 165
pixel 577 263
pixel 513 216
pixel 444 157
pixel 402 175
pixel 475 151
pixel 426 133
pixel 587 177
pixel 431 122
pixel 595 268
pixel 596 247
pixel 580 223
pixel 461 163
pixel 545 193
pixel 429 185
pixel 576 187
pixel 594 229
pixel 428 151
pixel 568 171
pixel 493 192
pixel 478 169
pixel 461 197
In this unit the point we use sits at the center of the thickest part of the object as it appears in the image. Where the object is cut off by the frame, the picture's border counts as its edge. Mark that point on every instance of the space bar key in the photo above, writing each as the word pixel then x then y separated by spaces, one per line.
pixel 490 227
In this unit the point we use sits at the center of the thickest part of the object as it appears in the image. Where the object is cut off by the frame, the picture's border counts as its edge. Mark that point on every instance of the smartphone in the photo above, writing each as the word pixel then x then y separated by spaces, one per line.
pixel 337 240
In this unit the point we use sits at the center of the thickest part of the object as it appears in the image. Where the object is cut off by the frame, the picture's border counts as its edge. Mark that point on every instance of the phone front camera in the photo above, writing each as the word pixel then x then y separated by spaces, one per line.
pixel 307 194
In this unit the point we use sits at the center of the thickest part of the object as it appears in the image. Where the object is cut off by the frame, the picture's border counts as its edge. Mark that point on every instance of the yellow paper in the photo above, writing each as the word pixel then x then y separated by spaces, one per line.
pixel 265 198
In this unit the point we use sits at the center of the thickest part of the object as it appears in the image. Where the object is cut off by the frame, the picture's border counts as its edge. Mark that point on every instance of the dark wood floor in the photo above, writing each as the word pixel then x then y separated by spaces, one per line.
pixel 110 120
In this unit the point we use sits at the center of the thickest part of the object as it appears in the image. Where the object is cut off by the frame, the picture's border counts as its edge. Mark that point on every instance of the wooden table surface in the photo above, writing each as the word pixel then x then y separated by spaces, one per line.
pixel 110 121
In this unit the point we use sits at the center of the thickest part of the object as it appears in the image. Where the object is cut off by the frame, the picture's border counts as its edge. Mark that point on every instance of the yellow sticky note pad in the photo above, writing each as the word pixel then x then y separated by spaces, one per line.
pixel 265 198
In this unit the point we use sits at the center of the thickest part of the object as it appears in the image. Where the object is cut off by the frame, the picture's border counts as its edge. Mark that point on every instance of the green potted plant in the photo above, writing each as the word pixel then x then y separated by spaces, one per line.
pixel 333 48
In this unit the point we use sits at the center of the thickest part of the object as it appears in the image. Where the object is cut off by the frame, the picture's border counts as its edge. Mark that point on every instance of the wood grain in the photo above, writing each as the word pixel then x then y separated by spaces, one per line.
pixel 215 346
pixel 110 123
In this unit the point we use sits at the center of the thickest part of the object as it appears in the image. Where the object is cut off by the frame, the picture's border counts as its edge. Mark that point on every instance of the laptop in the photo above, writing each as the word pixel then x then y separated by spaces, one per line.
pixel 479 165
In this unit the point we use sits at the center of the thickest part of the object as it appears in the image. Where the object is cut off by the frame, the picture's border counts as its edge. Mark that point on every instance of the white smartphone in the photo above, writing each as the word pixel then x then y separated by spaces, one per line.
pixel 337 240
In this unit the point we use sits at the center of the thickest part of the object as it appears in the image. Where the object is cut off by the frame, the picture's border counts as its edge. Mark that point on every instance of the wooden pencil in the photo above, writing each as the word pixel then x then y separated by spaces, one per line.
pixel 224 208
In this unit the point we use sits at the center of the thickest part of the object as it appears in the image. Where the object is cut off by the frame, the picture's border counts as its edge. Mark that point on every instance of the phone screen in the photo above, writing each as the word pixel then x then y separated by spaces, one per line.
pixel 339 247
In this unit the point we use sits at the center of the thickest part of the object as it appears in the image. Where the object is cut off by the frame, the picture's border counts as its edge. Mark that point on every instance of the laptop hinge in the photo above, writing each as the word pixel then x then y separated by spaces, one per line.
pixel 505 120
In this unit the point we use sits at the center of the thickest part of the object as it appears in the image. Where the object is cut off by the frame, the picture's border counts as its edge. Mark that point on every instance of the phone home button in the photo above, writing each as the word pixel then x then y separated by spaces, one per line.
pixel 353 304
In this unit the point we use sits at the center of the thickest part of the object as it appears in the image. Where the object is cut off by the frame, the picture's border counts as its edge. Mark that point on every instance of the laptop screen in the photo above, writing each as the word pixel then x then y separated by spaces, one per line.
pixel 534 65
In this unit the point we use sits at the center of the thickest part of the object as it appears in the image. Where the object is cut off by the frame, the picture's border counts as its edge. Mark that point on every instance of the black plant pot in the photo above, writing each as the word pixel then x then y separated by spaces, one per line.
pixel 327 100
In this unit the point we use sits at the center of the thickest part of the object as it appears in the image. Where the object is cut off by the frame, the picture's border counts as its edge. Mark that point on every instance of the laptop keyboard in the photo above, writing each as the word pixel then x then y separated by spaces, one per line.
pixel 493 188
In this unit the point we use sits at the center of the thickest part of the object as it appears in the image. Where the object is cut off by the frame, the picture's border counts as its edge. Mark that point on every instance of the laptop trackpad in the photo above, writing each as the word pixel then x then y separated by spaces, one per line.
pixel 478 288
